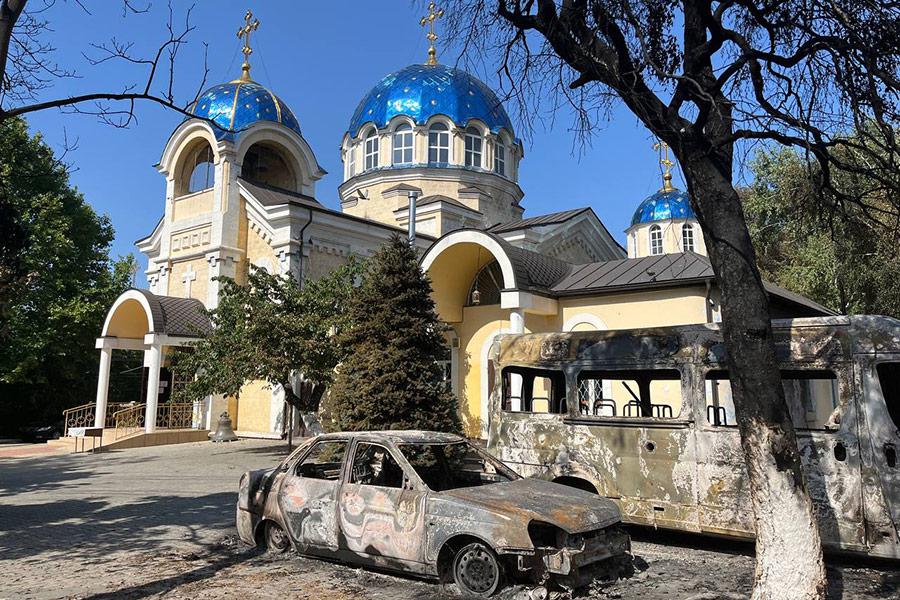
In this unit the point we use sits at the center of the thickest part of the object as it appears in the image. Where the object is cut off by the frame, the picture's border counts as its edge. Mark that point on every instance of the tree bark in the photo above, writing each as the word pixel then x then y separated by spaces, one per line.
pixel 10 11
pixel 789 562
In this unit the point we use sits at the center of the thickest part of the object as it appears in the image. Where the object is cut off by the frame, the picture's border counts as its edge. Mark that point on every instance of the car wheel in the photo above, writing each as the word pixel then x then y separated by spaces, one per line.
pixel 476 570
pixel 276 539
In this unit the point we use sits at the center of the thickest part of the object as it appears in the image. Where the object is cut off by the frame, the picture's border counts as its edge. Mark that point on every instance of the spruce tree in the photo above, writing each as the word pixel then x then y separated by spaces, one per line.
pixel 391 378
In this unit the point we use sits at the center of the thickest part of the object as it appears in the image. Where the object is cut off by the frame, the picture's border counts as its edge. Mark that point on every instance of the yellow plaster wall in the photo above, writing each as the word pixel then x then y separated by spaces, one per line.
pixel 254 405
pixel 199 286
pixel 657 308
pixel 192 205
pixel 259 251
pixel 320 263
pixel 381 209
pixel 190 240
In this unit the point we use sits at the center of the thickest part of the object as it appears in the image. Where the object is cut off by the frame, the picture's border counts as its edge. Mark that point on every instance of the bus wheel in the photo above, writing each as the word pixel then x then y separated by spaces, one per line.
pixel 476 570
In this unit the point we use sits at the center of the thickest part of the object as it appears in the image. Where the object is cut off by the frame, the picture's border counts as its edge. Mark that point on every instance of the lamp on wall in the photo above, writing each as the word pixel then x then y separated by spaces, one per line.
pixel 476 296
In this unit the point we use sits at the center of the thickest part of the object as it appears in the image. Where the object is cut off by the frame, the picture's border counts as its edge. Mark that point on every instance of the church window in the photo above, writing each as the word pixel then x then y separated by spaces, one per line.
pixel 371 149
pixel 656 240
pixel 266 165
pixel 203 171
pixel 687 237
pixel 474 142
pixel 351 161
pixel 403 144
pixel 438 144
pixel 500 159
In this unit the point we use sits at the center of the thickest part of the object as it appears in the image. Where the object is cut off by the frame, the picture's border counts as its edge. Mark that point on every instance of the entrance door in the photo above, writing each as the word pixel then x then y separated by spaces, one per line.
pixel 308 496
pixel 382 516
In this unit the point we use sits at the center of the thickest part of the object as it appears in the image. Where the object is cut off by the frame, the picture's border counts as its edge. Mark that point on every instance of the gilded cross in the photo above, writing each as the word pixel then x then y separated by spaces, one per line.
pixel 667 166
pixel 244 32
pixel 433 13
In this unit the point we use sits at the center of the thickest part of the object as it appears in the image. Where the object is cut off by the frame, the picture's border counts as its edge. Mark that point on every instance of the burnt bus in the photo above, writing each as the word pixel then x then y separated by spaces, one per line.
pixel 645 417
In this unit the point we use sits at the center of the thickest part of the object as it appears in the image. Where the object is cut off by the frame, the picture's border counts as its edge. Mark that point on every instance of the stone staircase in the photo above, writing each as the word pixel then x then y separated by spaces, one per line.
pixel 137 439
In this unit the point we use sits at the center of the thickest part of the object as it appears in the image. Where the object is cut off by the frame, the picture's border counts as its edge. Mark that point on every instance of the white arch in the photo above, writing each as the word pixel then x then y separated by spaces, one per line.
pixel 300 152
pixel 124 297
pixel 592 320
pixel 181 138
pixel 471 236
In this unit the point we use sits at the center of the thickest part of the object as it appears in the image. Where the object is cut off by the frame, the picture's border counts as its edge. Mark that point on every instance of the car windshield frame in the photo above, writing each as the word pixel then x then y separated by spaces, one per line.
pixel 499 466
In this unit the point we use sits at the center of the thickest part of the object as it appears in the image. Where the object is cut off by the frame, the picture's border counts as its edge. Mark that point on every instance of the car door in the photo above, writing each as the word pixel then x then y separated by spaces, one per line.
pixel 382 507
pixel 309 493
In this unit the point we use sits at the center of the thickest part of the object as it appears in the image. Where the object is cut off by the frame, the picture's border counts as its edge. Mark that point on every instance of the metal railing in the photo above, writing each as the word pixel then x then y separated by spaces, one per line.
pixel 129 420
pixel 173 415
pixel 83 416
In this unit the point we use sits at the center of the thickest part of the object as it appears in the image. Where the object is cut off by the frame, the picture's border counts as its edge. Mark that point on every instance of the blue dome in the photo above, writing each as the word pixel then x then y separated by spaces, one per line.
pixel 238 104
pixel 662 206
pixel 422 91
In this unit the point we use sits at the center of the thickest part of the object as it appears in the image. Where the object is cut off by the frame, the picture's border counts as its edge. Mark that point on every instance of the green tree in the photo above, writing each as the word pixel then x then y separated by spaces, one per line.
pixel 271 329
pixel 56 282
pixel 849 264
pixel 391 378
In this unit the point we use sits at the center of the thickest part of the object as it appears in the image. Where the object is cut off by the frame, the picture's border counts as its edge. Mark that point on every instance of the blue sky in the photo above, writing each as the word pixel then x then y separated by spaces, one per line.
pixel 317 57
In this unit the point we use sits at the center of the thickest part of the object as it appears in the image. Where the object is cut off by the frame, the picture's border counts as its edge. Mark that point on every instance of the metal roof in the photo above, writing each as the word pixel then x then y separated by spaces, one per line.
pixel 548 219
pixel 422 91
pixel 236 105
pixel 446 199
pixel 182 317
pixel 272 196
pixel 664 269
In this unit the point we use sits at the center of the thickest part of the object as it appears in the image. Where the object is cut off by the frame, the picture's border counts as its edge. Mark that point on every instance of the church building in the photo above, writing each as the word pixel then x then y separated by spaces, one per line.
pixel 429 150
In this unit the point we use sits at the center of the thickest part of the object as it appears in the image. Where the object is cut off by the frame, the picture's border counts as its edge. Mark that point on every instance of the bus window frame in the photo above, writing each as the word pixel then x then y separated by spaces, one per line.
pixel 836 369
pixel 542 371
pixel 684 417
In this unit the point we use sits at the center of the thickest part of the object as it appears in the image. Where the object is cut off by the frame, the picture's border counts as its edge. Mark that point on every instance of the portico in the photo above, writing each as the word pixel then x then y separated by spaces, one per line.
pixel 141 320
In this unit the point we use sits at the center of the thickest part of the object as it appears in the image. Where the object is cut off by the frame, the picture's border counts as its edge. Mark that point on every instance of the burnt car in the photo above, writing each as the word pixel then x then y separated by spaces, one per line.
pixel 429 504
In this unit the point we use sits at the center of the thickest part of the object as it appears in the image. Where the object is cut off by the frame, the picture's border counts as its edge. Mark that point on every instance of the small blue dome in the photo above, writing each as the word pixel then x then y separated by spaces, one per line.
pixel 422 91
pixel 238 104
pixel 662 206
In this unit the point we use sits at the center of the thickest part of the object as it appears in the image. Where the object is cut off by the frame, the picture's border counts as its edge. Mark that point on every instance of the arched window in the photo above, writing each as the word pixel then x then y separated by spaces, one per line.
pixel 474 142
pixel 687 237
pixel 203 172
pixel 371 149
pixel 351 160
pixel 438 144
pixel 656 240
pixel 403 144
pixel 266 165
pixel 486 287
pixel 500 158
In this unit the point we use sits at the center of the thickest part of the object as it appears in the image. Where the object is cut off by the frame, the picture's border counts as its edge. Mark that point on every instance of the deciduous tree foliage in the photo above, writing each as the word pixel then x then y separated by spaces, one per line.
pixel 706 77
pixel 391 378
pixel 849 264
pixel 271 329
pixel 56 282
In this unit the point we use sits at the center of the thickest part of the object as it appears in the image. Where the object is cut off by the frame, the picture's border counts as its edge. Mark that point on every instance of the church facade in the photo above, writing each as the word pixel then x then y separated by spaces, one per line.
pixel 430 150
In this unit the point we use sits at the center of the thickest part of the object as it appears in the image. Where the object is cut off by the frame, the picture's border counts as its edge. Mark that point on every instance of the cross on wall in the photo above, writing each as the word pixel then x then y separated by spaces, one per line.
pixel 189 277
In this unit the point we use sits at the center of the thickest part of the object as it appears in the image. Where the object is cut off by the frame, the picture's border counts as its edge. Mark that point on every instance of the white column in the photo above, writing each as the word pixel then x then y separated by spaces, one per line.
pixel 154 360
pixel 517 320
pixel 102 387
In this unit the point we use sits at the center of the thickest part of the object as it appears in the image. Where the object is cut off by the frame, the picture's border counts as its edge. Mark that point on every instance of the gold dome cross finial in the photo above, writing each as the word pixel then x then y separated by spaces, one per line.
pixel 667 166
pixel 433 13
pixel 244 32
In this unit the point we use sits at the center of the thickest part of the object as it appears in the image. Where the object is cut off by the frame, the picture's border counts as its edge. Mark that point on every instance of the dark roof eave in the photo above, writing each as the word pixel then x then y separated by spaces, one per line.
pixel 643 286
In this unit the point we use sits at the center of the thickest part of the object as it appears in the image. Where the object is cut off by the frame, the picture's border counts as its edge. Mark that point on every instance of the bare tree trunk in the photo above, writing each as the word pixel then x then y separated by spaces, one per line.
pixel 789 563
pixel 10 10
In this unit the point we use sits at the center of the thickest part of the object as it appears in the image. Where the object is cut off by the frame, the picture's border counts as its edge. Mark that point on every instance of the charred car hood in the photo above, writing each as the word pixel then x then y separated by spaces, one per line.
pixel 571 509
